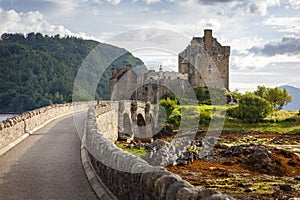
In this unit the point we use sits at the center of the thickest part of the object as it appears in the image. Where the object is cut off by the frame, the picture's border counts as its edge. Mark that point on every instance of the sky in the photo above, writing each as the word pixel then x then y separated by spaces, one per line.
pixel 264 35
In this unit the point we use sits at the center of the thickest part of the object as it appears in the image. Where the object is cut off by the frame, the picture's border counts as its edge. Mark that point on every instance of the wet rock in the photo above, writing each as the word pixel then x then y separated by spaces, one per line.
pixel 233 151
pixel 285 187
pixel 163 153
pixel 248 190
pixel 185 158
pixel 260 159
pixel 297 178
pixel 241 185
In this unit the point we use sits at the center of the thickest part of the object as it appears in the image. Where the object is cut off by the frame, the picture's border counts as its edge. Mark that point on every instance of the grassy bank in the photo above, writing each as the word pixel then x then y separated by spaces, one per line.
pixel 283 122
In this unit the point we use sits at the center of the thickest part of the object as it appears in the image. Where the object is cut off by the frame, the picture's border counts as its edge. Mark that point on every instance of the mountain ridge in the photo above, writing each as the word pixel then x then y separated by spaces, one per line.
pixel 37 70
pixel 295 92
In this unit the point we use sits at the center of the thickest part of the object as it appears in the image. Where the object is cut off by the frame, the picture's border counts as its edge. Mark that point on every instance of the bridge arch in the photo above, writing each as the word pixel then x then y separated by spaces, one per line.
pixel 141 120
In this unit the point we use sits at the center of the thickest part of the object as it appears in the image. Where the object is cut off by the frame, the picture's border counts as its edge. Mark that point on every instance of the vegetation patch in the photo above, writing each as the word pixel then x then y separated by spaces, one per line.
pixel 139 152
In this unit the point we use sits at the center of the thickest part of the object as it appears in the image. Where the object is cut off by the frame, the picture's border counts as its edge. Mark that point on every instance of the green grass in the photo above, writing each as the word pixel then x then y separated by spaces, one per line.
pixel 283 125
pixel 137 152
pixel 257 184
pixel 284 122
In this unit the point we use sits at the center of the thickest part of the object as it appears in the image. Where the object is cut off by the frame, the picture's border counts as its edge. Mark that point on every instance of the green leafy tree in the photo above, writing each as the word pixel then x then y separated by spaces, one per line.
pixel 277 97
pixel 251 108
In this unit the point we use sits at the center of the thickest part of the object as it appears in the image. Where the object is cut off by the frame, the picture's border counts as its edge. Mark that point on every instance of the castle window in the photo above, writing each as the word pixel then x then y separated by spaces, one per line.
pixel 209 70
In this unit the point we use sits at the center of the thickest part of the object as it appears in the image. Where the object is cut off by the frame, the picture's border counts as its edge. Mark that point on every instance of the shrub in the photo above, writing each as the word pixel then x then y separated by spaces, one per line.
pixel 205 116
pixel 169 105
pixel 174 118
pixel 251 109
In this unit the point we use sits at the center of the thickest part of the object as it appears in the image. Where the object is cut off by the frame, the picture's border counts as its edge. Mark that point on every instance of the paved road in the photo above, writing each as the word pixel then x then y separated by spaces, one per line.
pixel 46 165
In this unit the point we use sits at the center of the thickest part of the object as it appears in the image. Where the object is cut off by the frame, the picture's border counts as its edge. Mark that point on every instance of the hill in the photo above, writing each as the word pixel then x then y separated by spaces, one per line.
pixel 295 92
pixel 37 70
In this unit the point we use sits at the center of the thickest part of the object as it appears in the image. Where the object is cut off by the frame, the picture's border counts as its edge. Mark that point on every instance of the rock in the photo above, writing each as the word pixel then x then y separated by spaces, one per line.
pixel 248 190
pixel 220 197
pixel 297 178
pixel 241 185
pixel 285 188
pixel 233 151
pixel 291 163
pixel 260 159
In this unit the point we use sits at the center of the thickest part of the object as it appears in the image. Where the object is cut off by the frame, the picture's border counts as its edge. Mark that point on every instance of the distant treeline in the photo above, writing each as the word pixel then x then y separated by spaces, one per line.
pixel 38 70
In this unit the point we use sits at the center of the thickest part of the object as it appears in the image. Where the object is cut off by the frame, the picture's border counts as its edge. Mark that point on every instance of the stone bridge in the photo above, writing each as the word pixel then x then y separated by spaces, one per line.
pixel 126 120
pixel 50 164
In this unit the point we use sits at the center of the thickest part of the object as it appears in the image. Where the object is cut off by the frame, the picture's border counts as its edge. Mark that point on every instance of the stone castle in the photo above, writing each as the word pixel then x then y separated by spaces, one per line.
pixel 204 63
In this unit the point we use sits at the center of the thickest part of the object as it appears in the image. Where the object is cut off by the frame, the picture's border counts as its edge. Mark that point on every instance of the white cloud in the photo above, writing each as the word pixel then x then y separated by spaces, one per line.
pixel 284 24
pixel 153 58
pixel 261 6
pixel 183 28
pixel 252 61
pixel 14 22
pixel 272 75
pixel 242 44
pixel 115 2
pixel 294 3
pixel 151 1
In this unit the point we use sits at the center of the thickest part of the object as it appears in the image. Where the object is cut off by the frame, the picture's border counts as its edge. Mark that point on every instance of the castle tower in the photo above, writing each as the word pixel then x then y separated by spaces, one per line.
pixel 206 61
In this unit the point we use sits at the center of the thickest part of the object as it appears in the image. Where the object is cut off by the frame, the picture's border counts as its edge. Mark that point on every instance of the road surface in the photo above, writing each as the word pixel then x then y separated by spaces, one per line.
pixel 46 165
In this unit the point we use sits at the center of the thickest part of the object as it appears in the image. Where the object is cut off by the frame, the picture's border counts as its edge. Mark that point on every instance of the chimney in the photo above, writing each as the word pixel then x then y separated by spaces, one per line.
pixel 208 39
pixel 227 51
pixel 112 72
pixel 128 67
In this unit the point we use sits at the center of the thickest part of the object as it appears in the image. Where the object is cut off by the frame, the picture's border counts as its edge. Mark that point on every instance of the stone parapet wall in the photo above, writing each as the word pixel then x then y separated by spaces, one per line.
pixel 130 177
pixel 13 128
pixel 107 119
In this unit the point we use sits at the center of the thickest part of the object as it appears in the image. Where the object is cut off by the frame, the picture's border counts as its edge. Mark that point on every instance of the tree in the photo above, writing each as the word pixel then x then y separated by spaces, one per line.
pixel 277 97
pixel 261 91
pixel 251 108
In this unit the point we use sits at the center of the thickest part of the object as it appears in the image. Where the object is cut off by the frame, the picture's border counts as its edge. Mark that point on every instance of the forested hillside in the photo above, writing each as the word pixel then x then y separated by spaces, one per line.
pixel 37 70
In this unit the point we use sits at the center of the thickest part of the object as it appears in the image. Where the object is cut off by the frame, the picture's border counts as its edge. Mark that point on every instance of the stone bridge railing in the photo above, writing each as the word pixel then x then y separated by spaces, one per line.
pixel 17 128
pixel 127 176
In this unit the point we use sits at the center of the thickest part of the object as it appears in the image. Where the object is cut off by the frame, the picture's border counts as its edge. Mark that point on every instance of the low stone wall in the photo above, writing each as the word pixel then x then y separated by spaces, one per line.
pixel 107 119
pixel 129 177
pixel 26 123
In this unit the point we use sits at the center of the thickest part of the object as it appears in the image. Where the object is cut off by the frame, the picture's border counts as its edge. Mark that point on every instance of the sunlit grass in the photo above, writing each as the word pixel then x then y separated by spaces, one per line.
pixel 137 152
pixel 282 121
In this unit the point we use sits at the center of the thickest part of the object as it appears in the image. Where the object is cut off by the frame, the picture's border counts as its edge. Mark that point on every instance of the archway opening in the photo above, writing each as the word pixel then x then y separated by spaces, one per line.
pixel 126 133
pixel 140 120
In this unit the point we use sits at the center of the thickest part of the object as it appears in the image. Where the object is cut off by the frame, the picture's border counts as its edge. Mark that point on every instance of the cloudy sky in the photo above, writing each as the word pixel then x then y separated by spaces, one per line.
pixel 264 35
